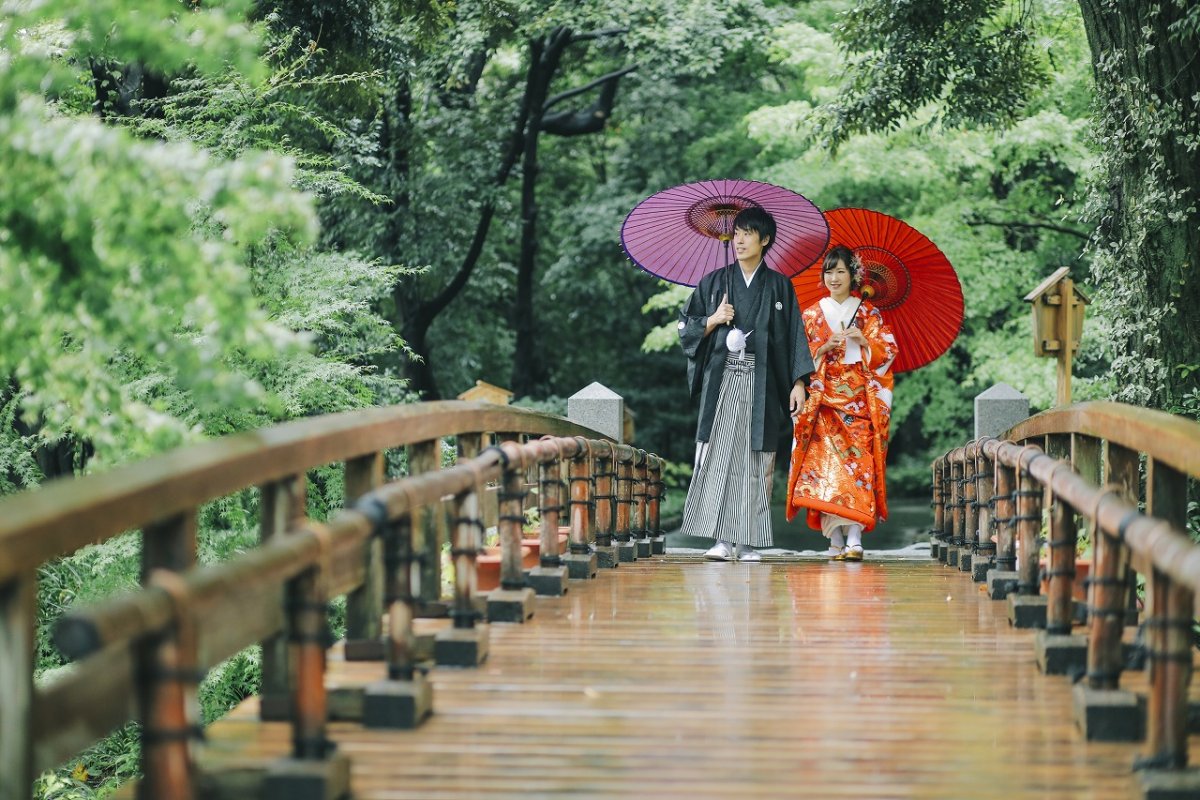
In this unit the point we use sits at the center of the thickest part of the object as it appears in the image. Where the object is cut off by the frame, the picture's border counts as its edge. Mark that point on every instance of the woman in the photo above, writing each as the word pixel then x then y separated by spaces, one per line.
pixel 841 435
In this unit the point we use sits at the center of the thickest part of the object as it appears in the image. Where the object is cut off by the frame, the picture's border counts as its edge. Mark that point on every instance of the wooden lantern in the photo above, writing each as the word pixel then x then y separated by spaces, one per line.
pixel 1058 308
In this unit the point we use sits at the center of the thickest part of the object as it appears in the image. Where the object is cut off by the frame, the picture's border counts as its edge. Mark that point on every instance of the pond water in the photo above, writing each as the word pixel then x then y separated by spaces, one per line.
pixel 909 521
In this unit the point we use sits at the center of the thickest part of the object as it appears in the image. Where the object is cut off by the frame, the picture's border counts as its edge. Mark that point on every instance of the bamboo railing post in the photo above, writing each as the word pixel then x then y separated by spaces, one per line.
pixel 641 503
pixel 550 577
pixel 18 623
pixel 315 768
pixel 970 515
pixel 513 601
pixel 939 511
pixel 1103 711
pixel 1027 609
pixel 1169 633
pixel 466 643
pixel 956 539
pixel 658 537
pixel 168 677
pixel 364 605
pixel 581 560
pixel 985 548
pixel 604 471
pixel 428 523
pixel 282 506
pixel 1061 567
pixel 626 549
pixel 1002 580
pixel 405 698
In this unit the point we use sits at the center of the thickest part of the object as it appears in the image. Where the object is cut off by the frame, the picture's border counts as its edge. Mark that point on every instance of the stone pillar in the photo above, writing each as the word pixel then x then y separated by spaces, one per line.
pixel 597 407
pixel 998 409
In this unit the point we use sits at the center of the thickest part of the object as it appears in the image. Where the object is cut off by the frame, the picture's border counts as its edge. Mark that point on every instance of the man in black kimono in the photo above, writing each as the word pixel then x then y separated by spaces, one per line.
pixel 748 360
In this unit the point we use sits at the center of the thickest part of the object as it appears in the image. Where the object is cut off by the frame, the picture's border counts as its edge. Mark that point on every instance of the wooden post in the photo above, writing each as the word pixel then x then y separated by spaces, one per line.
pixel 18 615
pixel 465 644
pixel 1006 512
pixel 626 549
pixel 1107 593
pixel 364 605
pixel 581 561
pixel 427 529
pixel 658 540
pixel 604 474
pixel 970 515
pixel 641 507
pixel 1029 528
pixel 984 487
pixel 513 601
pixel 956 511
pixel 282 506
pixel 1066 335
pixel 1169 632
pixel 939 511
pixel 1061 569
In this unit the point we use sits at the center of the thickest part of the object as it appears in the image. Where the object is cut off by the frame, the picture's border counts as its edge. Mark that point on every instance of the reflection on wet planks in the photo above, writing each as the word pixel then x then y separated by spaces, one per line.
pixel 705 680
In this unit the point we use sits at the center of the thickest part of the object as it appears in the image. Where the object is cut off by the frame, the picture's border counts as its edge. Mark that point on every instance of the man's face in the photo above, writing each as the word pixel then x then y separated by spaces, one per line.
pixel 748 245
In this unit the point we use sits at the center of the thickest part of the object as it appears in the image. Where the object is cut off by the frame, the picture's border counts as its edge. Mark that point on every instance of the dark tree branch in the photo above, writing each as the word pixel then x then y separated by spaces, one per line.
pixel 612 76
pixel 979 221
pixel 585 37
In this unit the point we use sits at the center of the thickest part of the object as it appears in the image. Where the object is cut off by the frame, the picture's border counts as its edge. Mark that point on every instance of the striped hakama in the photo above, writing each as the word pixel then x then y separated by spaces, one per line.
pixel 729 498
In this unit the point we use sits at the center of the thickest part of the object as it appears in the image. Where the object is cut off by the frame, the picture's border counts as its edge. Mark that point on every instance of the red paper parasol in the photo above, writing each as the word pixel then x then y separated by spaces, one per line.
pixel 682 233
pixel 906 277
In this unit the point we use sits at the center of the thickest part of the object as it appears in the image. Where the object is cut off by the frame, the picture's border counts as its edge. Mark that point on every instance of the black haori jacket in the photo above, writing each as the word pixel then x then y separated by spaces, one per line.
pixel 781 356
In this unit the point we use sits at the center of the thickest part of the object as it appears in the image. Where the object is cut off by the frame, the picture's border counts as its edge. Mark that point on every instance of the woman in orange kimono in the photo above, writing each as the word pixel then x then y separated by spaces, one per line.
pixel 841 436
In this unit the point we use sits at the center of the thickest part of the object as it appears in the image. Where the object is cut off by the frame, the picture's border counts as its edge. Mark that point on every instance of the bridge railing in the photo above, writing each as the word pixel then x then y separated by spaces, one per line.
pixel 1086 462
pixel 140 656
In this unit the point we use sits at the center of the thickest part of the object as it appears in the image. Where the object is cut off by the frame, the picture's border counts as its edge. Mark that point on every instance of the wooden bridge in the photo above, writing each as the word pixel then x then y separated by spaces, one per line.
pixel 614 668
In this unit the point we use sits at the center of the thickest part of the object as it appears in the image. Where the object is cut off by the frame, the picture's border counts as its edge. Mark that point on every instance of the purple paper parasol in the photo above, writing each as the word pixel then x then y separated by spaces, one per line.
pixel 682 233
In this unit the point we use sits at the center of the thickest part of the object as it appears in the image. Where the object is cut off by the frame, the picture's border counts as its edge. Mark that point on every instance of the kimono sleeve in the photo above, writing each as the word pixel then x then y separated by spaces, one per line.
pixel 692 320
pixel 696 346
pixel 801 361
pixel 883 350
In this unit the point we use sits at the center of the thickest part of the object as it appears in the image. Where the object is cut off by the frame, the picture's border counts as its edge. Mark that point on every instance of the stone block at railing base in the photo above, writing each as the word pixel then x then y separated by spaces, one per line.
pixel 1060 654
pixel 1001 583
pixel 1109 715
pixel 935 548
pixel 581 566
pixel 1174 784
pixel 658 545
pixel 606 556
pixel 510 605
pixel 980 565
pixel 627 551
pixel 364 650
pixel 302 779
pixel 461 647
pixel 1027 610
pixel 643 548
pixel 966 559
pixel 399 705
pixel 548 581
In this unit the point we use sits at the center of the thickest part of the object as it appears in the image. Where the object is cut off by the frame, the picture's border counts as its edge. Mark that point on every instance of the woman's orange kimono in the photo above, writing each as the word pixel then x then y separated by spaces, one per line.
pixel 841 436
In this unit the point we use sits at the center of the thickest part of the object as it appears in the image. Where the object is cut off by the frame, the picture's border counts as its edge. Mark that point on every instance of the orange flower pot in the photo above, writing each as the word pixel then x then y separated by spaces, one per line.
pixel 487 567
pixel 1083 568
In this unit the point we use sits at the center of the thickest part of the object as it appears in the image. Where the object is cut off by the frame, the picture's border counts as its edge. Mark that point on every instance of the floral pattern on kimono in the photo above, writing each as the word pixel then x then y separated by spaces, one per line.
pixel 841 435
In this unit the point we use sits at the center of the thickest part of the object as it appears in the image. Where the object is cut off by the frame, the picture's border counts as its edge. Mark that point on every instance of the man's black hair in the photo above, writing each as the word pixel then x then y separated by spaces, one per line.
pixel 757 219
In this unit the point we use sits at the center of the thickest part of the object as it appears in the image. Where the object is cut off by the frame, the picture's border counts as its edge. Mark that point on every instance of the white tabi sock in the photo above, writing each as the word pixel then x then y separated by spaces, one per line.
pixel 854 535
pixel 836 540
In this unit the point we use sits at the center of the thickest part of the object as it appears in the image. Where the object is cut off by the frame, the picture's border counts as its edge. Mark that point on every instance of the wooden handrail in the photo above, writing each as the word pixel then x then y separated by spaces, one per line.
pixel 65 515
pixel 1082 461
pixel 145 650
pixel 1166 438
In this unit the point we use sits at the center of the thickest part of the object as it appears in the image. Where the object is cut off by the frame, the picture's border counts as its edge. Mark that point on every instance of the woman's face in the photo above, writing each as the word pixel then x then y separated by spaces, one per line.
pixel 837 281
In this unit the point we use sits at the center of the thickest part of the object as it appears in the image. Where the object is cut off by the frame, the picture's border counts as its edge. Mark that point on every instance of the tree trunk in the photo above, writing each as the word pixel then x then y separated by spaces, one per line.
pixel 1147 261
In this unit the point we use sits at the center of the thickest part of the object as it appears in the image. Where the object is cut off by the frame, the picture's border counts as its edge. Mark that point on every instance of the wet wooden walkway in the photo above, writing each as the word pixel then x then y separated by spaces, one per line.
pixel 688 679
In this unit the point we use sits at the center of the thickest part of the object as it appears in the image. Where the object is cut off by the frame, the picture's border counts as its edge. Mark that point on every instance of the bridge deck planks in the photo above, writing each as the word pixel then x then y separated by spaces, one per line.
pixel 705 680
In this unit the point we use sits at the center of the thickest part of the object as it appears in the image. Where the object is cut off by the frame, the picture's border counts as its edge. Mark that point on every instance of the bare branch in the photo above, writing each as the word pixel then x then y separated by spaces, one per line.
pixel 558 98
pixel 978 221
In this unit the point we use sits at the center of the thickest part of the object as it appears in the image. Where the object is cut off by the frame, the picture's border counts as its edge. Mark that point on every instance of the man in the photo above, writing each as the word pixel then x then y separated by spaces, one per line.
pixel 748 361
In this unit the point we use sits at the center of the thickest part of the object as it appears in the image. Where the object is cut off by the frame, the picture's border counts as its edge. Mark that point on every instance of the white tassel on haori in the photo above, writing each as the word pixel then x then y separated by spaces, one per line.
pixel 736 342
